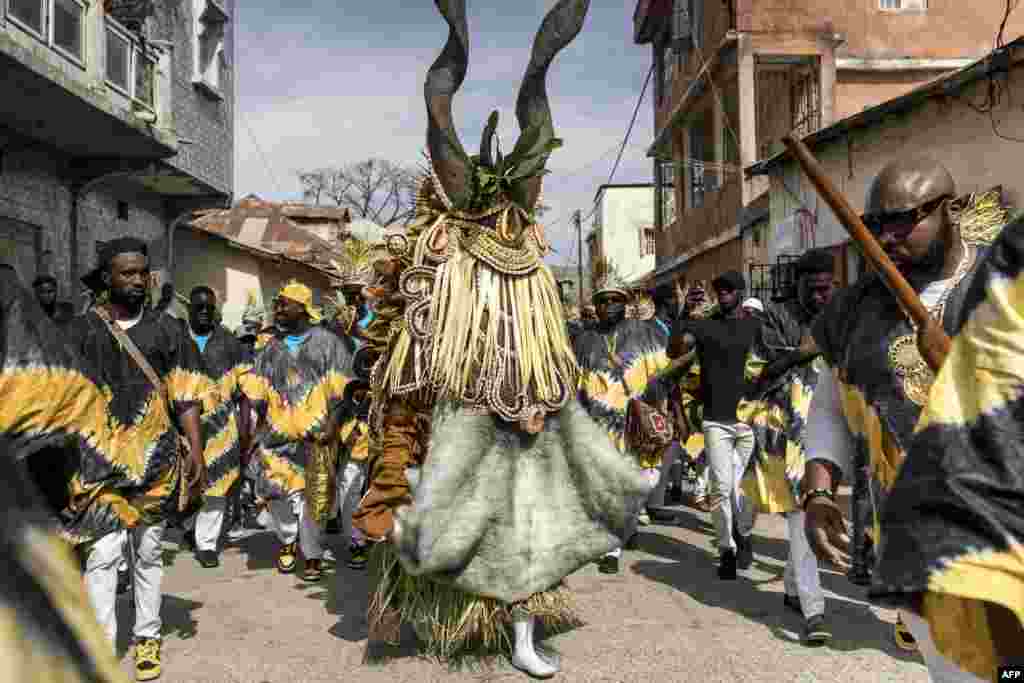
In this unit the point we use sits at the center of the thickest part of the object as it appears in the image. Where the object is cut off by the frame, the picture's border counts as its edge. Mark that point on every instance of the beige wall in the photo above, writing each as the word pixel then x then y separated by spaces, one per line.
pixel 945 129
pixel 858 90
pixel 233 273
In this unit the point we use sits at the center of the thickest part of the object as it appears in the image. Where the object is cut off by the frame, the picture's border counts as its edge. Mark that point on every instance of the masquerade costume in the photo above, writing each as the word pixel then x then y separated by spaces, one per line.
pixel 48 632
pixel 952 530
pixel 297 383
pixel 489 477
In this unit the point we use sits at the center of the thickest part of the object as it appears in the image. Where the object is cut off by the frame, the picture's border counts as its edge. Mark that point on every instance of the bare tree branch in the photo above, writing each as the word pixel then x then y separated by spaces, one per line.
pixel 374 189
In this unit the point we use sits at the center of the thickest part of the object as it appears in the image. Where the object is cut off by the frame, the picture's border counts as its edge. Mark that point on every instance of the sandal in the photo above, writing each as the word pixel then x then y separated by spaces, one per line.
pixel 314 571
pixel 286 558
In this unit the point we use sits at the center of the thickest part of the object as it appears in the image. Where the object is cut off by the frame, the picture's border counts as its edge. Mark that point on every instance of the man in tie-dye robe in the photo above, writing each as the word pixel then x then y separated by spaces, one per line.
pixel 145 444
pixel 619 358
pixel 952 528
pixel 226 417
pixel 297 386
pixel 48 632
pixel 778 415
pixel 867 408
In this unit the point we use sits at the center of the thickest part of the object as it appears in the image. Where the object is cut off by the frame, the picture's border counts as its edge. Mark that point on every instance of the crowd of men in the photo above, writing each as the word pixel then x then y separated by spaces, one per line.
pixel 771 406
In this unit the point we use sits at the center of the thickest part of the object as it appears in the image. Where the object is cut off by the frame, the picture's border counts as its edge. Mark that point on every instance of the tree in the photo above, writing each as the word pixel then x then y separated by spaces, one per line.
pixel 375 189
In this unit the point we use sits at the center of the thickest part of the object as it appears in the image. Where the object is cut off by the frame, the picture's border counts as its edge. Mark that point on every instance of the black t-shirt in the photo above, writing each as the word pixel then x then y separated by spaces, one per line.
pixel 722 349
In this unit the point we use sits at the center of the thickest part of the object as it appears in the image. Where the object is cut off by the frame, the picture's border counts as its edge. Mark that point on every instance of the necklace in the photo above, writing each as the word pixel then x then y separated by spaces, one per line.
pixel 904 356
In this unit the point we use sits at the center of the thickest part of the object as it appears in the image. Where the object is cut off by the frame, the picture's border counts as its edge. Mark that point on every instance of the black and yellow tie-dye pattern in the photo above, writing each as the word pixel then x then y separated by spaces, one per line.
pixel 854 333
pixel 295 395
pixel 48 407
pixel 779 416
pixel 225 361
pixel 605 388
pixel 140 473
pixel 953 526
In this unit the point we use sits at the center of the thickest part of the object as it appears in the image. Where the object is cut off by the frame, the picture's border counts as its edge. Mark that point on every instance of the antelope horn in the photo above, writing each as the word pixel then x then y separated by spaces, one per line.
pixel 449 160
pixel 559 28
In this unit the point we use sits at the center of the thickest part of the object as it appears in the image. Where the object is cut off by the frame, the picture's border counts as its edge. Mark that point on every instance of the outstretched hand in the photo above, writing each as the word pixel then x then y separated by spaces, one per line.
pixel 827 533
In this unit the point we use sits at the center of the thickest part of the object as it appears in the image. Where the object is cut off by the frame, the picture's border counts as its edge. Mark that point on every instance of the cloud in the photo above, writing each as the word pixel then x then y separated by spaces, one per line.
pixel 306 99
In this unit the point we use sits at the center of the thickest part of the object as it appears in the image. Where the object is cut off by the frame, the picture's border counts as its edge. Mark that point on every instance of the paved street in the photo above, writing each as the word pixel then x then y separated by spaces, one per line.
pixel 665 618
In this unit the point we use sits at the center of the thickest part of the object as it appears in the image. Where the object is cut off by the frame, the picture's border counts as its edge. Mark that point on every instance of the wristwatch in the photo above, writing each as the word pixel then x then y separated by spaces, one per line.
pixel 816 493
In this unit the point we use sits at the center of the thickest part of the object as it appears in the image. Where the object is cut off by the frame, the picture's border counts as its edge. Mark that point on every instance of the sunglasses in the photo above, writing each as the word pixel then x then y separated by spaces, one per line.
pixel 901 223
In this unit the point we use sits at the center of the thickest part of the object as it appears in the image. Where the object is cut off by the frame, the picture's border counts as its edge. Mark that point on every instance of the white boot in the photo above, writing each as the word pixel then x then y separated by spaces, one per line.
pixel 525 657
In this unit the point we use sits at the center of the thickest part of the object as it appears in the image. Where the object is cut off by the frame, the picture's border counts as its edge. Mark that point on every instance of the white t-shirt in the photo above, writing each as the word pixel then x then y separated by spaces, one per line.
pixel 129 324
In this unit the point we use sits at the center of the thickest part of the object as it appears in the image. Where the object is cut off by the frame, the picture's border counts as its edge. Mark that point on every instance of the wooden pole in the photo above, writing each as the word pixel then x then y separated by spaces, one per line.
pixel 933 341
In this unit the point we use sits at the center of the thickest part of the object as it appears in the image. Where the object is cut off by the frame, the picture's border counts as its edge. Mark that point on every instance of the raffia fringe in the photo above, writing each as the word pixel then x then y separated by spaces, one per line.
pixel 453 623
pixel 512 325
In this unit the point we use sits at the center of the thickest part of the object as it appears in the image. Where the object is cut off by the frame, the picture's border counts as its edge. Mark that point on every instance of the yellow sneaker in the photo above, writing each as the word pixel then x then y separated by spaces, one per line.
pixel 904 640
pixel 147 659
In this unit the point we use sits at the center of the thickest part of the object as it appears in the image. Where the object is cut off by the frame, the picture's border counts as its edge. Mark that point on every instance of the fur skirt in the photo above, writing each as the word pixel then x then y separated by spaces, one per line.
pixel 501 514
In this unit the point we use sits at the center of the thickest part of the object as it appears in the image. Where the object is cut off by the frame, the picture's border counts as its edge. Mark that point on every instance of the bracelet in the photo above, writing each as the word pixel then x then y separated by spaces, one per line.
pixel 817 493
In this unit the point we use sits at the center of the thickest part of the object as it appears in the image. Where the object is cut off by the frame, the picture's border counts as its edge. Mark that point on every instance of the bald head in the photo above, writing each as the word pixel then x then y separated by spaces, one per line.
pixel 907 184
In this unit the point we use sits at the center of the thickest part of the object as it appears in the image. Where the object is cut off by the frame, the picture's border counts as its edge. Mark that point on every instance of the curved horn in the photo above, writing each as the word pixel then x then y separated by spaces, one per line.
pixel 443 80
pixel 561 25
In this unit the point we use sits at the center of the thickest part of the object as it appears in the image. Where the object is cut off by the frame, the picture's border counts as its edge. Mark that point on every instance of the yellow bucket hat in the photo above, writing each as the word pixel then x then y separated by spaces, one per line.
pixel 300 293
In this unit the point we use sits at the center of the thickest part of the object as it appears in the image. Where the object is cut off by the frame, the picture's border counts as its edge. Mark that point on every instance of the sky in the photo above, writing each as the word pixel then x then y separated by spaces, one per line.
pixel 322 84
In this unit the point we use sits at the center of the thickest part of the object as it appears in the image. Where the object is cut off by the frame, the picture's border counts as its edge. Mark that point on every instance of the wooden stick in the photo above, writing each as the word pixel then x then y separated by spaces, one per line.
pixel 933 341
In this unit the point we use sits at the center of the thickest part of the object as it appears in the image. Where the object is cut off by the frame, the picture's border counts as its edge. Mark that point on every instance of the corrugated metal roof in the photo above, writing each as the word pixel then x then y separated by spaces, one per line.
pixel 266 227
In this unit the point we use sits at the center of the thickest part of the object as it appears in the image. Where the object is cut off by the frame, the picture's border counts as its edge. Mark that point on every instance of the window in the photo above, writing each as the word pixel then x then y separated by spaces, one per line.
pixel 57 22
pixel 668 193
pixel 119 60
pixel 67 27
pixel 647 242
pixel 128 69
pixel 29 13
pixel 210 23
pixel 144 86
pixel 903 4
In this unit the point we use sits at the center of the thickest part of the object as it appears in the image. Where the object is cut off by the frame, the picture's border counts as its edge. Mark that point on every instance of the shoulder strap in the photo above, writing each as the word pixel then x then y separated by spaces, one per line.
pixel 128 345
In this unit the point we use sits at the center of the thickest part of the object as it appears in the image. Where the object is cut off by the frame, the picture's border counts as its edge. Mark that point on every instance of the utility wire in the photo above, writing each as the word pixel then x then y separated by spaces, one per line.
pixel 622 149
pixel 266 163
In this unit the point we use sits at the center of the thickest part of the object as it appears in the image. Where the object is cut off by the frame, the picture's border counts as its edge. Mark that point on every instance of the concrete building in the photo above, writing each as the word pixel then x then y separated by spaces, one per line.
pixel 116 118
pixel 258 246
pixel 623 229
pixel 939 120
pixel 733 78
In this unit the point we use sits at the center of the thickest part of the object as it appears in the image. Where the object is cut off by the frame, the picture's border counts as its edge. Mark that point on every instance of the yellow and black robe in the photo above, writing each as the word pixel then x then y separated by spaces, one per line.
pixel 606 388
pixel 225 361
pixel 779 416
pixel 294 395
pixel 141 473
pixel 52 413
pixel 854 333
pixel 953 525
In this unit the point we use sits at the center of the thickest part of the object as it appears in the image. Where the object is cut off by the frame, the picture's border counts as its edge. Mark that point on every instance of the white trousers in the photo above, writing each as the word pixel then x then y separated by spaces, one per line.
pixel 940 669
pixel 290 520
pixel 209 522
pixel 101 565
pixel 801 577
pixel 729 447
pixel 350 492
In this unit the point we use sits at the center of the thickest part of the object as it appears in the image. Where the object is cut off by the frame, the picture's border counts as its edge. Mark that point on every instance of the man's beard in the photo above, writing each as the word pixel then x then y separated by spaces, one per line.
pixel 929 268
pixel 128 300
